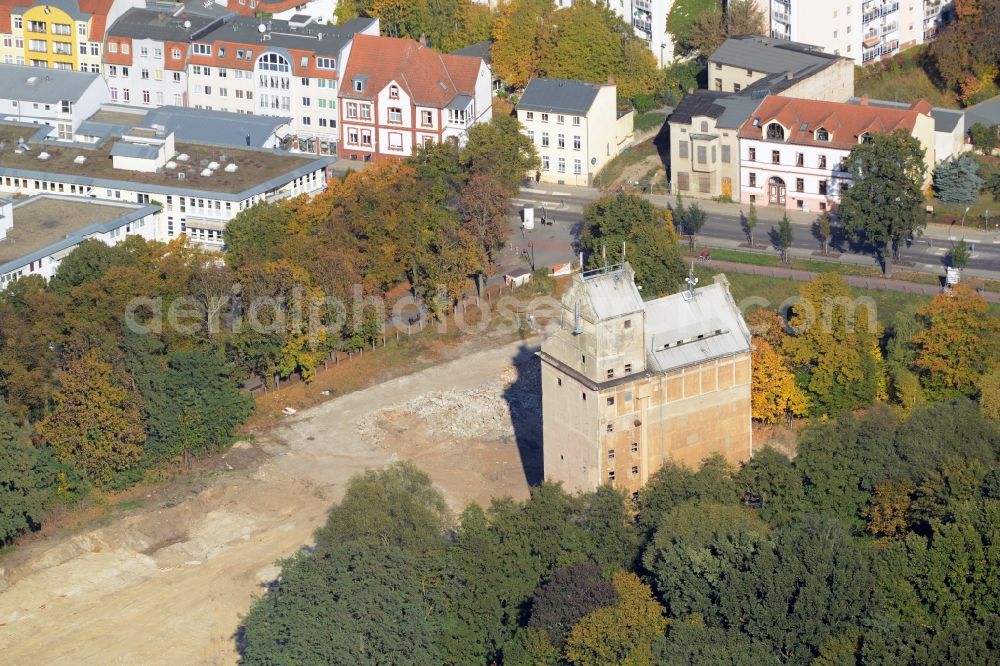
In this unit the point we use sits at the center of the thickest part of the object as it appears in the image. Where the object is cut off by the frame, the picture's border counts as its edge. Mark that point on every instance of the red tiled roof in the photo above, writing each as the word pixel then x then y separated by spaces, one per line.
pixel 275 6
pixel 430 78
pixel 844 122
pixel 99 10
pixel 5 7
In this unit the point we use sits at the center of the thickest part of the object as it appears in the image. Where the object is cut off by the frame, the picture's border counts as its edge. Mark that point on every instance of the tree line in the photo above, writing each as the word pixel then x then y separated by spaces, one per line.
pixel 91 400
pixel 876 544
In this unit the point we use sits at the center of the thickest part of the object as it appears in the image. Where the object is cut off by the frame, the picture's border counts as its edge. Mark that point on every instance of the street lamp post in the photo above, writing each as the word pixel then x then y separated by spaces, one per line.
pixel 963 219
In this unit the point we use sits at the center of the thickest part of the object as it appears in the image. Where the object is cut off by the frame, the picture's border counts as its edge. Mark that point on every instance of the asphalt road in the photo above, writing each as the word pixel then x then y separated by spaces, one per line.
pixel 564 204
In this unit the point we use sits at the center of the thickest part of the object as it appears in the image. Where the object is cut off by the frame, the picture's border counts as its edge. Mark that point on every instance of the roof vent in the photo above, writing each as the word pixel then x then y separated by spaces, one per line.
pixel 206 172
pixel 43 155
pixel 231 168
pixel 79 159
pixel 181 175
pixel 32 81
pixel 213 166
pixel 183 157
pixel 171 165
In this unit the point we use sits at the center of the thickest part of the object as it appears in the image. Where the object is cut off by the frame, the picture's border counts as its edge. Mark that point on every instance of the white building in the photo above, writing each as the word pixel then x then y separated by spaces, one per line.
pixel 38 232
pixel 60 98
pixel 200 186
pixel 575 127
pixel 863 30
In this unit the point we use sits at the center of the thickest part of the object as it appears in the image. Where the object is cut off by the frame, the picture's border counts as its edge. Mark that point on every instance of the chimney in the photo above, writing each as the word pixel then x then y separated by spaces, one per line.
pixel 864 101
pixel 611 80
pixel 789 76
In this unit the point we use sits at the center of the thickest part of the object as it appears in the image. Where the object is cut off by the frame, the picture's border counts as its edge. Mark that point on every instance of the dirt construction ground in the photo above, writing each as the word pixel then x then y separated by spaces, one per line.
pixel 167 584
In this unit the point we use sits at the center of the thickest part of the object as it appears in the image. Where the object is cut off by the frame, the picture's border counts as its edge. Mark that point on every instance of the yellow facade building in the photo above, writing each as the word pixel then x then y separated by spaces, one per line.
pixel 57 34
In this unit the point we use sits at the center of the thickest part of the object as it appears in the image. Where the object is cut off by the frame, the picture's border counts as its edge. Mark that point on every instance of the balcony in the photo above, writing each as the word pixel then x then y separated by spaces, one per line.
pixel 643 25
pixel 781 17
pixel 871 40
pixel 643 5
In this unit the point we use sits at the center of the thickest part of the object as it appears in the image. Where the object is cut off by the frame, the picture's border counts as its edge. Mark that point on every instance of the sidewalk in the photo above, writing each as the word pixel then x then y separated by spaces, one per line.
pixel 853 280
pixel 774 214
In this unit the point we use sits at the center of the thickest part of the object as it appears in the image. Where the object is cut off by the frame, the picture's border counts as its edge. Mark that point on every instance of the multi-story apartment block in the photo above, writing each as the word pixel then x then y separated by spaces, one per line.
pixel 576 127
pixel 146 55
pixel 863 30
pixel 59 34
pixel 629 385
pixel 398 94
pixel 704 141
pixel 792 151
pixel 60 99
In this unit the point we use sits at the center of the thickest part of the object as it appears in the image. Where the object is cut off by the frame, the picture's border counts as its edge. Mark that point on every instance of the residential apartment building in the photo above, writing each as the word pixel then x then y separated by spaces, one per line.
pixel 792 151
pixel 863 30
pixel 576 127
pixel 704 141
pixel 629 385
pixel 200 186
pixel 398 94
pixel 37 233
pixel 58 34
pixel 60 99
pixel 146 55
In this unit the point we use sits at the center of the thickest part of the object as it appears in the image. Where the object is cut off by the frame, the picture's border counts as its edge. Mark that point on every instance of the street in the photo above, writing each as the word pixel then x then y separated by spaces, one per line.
pixel 564 206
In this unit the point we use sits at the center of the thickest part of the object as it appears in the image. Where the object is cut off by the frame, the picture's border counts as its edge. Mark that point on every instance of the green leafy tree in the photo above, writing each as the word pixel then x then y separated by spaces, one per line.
pixel 783 237
pixel 957 180
pixel 255 234
pixel 993 185
pixel 571 592
pixel 692 222
pixel 883 205
pixel 24 493
pixel 984 138
pixel 673 485
pixel 498 148
pixel 959 255
pixel 824 230
pixel 88 262
pixel 647 233
pixel 772 485
pixel 749 223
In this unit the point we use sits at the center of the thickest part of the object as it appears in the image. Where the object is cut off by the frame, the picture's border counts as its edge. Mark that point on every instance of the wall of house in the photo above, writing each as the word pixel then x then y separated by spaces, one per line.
pixel 834 83
pixel 756 174
pixel 722 173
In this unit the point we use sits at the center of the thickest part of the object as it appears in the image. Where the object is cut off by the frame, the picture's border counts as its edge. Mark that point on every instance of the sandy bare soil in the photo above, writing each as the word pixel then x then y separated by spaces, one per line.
pixel 167 584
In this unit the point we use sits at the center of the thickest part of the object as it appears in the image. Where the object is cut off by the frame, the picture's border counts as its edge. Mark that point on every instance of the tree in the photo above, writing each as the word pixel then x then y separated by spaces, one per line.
pixel 692 222
pixel 769 326
pixel 889 513
pixel 86 263
pixel 957 180
pixel 621 634
pixel 960 339
pixel 772 486
pixel 255 234
pixel 834 349
pixel 572 592
pixel 984 138
pixel 993 185
pixel 518 36
pixel 824 230
pixel 24 495
pixel 711 29
pixel 647 234
pixel 749 223
pixel 774 394
pixel 959 255
pixel 483 206
pixel 783 237
pixel 883 205
pixel 96 423
pixel 500 149
pixel 989 394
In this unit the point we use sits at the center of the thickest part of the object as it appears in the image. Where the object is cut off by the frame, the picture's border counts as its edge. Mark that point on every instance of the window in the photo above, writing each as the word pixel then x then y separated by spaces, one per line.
pixel 393 92
pixel 752 155
pixel 576 142
pixel 775 132
pixel 634 471
pixel 208 90
pixel 822 161
pixel 560 140
pixel 576 120
pixel 611 454
pixel 545 139
pixel 352 110
pixel 775 157
pixel 753 179
pixel 366 137
pixel 718 84
pixel 867 138
pixel 561 119
pixel 37 26
pixel 145 97
pixel 737 87
pixel 18 25
pixel 271 62
pixel 611 373
pixel 635 447
pixel 38 45
pixel 561 165
pixel 610 401
pixel 222 52
pixel 113 92
pixel 223 92
pixel 702 153
pixel 324 63
pixel 704 126
pixel 126 94
pixel 223 72
pixel 61 29
pixel 545 117
pixel 704 183
pixel 584 395
pixel 577 167
pixel 628 369
pixel 366 112
pixel 531 136
pixel 823 187
pixel 683 149
pixel 545 162
pixel 800 185
pixel 426 119
pixel 144 74
pixel 558 381
pixel 800 159
pixel 305 101
pixel 683 181
pixel 202 49
pixel 352 136
pixel 610 427
pixel 395 115
pixel 529 115
pixel 157 53
pixel 143 51
pixel 822 134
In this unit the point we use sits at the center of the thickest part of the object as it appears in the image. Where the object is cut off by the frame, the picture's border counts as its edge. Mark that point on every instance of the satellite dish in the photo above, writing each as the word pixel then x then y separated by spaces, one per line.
pixel 262 28
pixel 187 24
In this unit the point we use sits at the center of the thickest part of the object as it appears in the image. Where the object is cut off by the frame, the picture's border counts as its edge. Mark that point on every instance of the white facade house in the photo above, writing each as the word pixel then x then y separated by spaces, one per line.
pixel 863 30
pixel 59 98
pixel 37 233
pixel 575 127
pixel 792 151
pixel 398 94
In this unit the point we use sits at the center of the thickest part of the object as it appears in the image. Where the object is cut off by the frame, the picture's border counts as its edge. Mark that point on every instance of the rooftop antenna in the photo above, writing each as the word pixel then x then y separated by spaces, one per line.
pixel 691 281
pixel 577 323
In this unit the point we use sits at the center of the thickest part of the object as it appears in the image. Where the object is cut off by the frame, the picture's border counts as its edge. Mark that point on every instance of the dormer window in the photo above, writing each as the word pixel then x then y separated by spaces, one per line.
pixel 359 85
pixel 393 92
pixel 822 134
pixel 866 138
pixel 775 132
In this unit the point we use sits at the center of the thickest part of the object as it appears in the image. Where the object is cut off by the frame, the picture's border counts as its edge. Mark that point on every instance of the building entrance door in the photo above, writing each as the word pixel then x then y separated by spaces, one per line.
pixel 776 192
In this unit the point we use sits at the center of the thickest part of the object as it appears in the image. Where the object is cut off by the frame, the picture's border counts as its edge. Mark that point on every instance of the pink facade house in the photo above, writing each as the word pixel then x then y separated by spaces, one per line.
pixel 792 150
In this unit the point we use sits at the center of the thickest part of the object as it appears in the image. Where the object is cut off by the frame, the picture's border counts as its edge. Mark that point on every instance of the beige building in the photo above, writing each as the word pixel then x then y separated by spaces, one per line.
pixel 704 147
pixel 628 385
pixel 575 126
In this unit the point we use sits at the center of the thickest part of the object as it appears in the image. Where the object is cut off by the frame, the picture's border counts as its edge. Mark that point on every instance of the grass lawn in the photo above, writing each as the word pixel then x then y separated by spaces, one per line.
pixel 614 169
pixel 903 79
pixel 649 120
